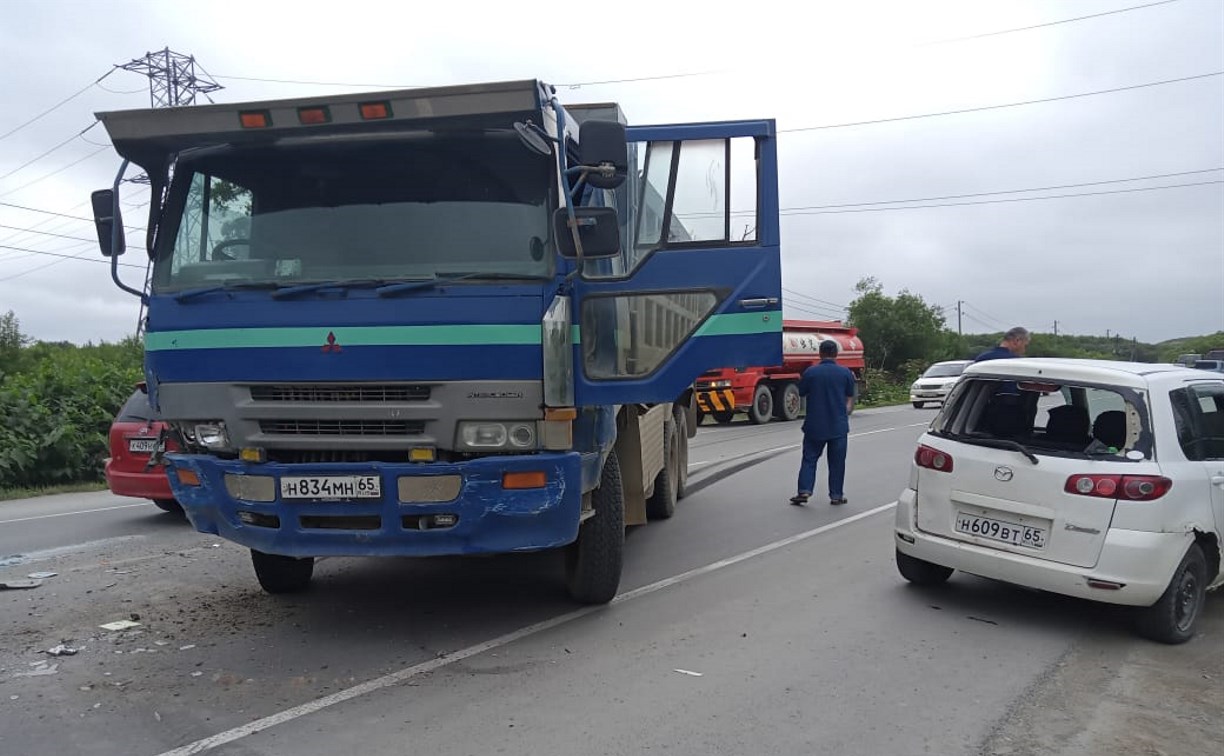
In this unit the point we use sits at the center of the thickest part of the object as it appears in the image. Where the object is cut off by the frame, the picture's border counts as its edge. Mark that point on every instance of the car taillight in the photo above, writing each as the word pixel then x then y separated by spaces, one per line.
pixel 932 459
pixel 1127 487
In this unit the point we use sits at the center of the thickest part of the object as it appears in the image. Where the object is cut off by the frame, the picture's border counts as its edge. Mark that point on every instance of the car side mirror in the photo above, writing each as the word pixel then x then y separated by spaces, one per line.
pixel 598 231
pixel 106 218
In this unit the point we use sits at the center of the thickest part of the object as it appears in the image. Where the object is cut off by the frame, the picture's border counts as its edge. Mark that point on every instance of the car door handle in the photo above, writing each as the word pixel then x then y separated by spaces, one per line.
pixel 758 302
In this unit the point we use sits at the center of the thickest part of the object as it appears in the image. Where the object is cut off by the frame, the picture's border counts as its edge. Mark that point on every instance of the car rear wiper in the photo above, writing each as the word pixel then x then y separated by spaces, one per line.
pixel 352 283
pixel 183 296
pixel 428 283
pixel 999 443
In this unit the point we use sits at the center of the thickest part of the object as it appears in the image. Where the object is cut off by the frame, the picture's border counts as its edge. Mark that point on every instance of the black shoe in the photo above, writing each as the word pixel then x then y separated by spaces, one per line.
pixel 799 499
pixel 841 500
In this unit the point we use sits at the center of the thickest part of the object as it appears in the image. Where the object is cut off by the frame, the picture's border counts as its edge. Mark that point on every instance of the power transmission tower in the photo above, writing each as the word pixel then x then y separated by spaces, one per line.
pixel 173 78
pixel 174 81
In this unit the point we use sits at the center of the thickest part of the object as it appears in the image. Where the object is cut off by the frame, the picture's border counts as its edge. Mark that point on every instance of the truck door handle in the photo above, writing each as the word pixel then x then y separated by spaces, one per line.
pixel 758 302
pixel 1218 479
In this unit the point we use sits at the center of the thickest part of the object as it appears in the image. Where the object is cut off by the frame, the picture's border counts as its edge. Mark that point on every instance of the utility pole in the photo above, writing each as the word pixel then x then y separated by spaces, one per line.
pixel 1055 327
pixel 959 332
pixel 173 82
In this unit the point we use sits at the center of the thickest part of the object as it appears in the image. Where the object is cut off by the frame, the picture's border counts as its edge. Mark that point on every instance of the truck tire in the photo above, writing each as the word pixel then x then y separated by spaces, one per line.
pixel 723 418
pixel 787 402
pixel 662 503
pixel 593 562
pixel 282 574
pixel 762 407
pixel 682 440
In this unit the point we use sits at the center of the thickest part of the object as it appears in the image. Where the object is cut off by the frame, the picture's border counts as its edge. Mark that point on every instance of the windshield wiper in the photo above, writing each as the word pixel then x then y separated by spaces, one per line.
pixel 183 296
pixel 998 443
pixel 428 283
pixel 290 291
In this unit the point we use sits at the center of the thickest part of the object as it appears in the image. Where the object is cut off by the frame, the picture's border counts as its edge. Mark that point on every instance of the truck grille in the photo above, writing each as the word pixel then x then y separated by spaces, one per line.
pixel 342 427
pixel 356 392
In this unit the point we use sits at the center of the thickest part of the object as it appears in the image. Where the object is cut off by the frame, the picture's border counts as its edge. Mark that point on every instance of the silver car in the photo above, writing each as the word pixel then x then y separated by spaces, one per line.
pixel 936 382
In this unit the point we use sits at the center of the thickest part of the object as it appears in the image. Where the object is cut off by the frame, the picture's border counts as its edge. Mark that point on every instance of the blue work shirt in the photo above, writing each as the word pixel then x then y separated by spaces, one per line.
pixel 998 353
pixel 827 386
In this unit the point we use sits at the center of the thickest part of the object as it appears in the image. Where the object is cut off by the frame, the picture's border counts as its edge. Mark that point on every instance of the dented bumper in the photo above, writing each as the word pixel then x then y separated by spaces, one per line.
pixel 243 502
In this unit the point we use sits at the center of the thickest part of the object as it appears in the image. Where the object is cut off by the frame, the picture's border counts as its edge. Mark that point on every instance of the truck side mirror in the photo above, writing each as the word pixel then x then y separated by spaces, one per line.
pixel 106 216
pixel 602 145
pixel 598 230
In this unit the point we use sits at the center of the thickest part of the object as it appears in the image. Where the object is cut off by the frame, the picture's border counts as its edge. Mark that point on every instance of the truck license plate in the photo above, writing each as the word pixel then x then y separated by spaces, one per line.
pixel 999 530
pixel 331 487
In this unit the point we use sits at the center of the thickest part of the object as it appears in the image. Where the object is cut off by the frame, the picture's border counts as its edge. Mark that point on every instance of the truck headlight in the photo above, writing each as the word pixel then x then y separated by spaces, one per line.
pixel 493 435
pixel 720 384
pixel 211 435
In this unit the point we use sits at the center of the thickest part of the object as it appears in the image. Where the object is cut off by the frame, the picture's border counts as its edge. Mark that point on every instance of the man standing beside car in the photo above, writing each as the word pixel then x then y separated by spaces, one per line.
pixel 1014 344
pixel 829 389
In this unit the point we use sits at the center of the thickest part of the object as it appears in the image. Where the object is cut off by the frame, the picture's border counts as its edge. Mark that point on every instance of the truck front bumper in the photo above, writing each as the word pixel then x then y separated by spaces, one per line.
pixel 243 502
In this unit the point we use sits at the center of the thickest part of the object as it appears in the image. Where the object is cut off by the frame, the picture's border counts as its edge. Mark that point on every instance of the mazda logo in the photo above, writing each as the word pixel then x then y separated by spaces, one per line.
pixel 1003 473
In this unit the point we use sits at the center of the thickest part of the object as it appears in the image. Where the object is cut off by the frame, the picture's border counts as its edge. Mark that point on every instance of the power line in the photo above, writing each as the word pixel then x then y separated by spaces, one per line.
pixel 567 85
pixel 1050 23
pixel 57 105
pixel 1008 191
pixel 1004 105
pixel 58 215
pixel 981 312
pixel 45 233
pixel 66 257
pixel 52 173
pixel 999 201
pixel 33 160
pixel 800 294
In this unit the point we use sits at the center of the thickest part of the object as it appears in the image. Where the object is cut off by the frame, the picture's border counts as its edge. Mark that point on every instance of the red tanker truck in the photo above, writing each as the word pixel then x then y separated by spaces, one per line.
pixel 766 393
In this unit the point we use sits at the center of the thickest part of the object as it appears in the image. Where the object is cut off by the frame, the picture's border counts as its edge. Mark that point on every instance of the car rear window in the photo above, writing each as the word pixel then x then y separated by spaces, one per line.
pixel 136 409
pixel 1063 419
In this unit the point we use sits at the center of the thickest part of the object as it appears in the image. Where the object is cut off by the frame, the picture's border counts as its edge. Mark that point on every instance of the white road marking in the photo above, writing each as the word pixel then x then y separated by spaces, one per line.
pixel 82 511
pixel 386 681
pixel 789 447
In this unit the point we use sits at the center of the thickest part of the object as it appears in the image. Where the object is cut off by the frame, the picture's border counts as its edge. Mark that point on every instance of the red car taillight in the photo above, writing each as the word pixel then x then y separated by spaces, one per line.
pixel 933 459
pixel 1128 487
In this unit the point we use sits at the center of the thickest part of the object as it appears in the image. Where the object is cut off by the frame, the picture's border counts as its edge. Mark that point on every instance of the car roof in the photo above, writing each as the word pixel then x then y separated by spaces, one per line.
pixel 952 362
pixel 1133 374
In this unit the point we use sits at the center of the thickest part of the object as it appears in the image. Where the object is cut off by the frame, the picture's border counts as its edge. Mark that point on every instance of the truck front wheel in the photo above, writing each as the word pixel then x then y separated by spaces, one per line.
pixel 593 562
pixel 761 410
pixel 282 574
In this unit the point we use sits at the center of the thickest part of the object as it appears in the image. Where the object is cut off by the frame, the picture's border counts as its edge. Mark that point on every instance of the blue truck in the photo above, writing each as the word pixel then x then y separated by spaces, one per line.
pixel 442 321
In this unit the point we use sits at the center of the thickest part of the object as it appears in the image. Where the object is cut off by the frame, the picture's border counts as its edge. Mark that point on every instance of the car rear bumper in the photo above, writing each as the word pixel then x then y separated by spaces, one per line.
pixel 488 518
pixel 144 485
pixel 1141 563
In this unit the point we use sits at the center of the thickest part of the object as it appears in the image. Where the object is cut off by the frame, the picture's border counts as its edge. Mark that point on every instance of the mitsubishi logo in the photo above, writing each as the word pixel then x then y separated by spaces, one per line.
pixel 331 345
pixel 1003 474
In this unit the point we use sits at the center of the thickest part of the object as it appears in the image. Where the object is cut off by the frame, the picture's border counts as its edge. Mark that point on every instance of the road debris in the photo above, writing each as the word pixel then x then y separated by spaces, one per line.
pixel 14 585
pixel 62 650
pixel 188 647
pixel 41 669
pixel 988 622
pixel 120 625
pixel 42 575
pixel 688 672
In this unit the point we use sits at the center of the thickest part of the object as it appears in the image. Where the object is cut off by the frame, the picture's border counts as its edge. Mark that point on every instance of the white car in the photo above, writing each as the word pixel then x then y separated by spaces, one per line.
pixel 936 382
pixel 1094 479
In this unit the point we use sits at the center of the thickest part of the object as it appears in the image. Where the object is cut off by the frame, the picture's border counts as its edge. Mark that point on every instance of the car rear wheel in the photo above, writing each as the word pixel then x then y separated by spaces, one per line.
pixel 169 505
pixel 921 572
pixel 1172 619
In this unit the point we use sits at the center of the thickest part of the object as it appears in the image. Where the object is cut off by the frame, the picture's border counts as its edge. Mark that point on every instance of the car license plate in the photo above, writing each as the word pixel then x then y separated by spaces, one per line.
pixel 1000 530
pixel 142 445
pixel 323 487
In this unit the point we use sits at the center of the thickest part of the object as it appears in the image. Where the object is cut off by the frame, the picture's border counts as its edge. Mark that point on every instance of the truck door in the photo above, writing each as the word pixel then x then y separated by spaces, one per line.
pixel 701 283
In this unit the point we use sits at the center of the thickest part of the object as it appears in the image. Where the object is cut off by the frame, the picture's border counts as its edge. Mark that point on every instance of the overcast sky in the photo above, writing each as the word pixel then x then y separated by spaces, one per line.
pixel 1148 264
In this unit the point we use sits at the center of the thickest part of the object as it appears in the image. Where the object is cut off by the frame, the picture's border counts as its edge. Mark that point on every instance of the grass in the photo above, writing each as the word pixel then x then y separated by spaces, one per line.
pixel 7 494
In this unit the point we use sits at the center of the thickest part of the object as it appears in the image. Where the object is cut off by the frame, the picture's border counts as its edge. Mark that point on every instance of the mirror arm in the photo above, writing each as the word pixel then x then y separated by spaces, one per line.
pixel 565 186
pixel 116 230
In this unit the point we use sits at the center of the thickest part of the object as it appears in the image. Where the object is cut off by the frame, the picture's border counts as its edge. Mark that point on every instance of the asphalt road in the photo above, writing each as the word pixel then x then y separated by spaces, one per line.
pixel 744 625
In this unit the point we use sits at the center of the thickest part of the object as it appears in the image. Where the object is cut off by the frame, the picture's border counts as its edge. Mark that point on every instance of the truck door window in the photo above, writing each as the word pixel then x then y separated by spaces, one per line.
pixel 629 335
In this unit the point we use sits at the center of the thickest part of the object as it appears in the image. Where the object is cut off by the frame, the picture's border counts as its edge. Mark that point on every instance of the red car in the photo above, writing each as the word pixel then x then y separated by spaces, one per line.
pixel 133 439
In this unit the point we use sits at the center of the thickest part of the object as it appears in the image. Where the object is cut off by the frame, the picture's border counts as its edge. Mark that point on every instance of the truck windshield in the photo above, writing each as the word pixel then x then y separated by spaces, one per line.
pixel 384 209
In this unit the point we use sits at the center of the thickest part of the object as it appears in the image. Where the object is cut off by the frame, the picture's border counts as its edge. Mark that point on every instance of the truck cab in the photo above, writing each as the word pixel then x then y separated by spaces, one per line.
pixel 457 320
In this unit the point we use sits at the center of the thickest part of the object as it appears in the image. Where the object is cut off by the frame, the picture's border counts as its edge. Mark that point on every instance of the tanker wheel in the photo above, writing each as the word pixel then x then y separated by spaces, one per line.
pixel 761 410
pixel 723 418
pixel 787 402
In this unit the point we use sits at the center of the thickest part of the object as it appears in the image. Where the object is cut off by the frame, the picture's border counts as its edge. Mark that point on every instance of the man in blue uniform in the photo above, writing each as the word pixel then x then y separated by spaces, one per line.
pixel 1014 344
pixel 829 389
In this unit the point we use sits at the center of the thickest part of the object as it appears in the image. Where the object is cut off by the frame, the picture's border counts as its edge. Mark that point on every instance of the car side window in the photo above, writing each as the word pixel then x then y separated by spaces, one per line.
pixel 1198 417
